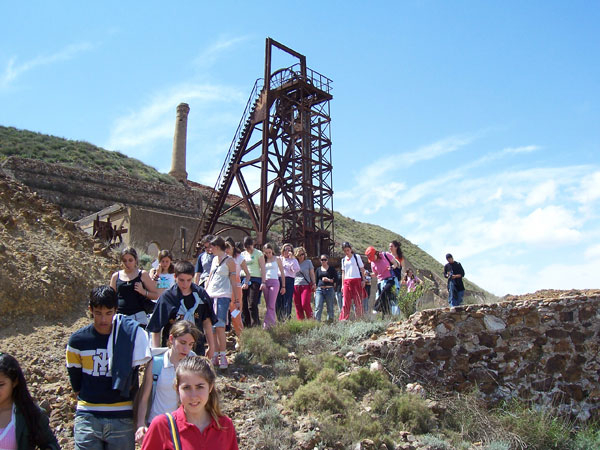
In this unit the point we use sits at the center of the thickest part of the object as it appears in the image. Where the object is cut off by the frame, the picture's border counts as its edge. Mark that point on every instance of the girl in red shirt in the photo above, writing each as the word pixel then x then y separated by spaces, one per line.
pixel 199 422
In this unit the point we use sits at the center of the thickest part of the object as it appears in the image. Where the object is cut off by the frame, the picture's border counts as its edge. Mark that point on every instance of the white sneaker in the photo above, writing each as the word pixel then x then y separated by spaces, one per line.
pixel 223 361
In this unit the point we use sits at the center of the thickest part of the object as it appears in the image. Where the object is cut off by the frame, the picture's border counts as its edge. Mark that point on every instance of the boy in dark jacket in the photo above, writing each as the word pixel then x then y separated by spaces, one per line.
pixel 184 300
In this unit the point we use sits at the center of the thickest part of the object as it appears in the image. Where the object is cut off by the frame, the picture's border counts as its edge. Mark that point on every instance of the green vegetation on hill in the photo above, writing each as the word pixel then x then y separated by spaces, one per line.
pixel 52 149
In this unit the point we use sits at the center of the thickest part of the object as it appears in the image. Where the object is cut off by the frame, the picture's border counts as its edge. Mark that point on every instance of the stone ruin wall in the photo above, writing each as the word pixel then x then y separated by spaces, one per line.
pixel 81 192
pixel 545 351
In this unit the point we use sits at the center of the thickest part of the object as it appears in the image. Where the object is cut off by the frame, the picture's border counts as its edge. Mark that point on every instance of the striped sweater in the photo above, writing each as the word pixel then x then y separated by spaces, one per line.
pixel 90 375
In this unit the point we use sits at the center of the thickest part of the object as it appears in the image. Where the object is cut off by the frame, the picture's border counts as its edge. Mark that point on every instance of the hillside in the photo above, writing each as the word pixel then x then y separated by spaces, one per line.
pixel 47 263
pixel 27 144
pixel 52 149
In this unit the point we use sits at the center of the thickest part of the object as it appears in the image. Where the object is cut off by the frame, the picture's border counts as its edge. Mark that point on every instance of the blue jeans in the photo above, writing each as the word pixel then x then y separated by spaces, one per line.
pixel 366 299
pixel 455 297
pixel 103 433
pixel 283 306
pixel 322 295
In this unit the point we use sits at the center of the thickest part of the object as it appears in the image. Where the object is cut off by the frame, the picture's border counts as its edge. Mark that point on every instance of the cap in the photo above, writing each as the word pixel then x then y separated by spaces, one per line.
pixel 370 252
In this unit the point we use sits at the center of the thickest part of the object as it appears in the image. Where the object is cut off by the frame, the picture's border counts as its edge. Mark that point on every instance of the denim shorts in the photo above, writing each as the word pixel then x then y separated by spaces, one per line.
pixel 222 310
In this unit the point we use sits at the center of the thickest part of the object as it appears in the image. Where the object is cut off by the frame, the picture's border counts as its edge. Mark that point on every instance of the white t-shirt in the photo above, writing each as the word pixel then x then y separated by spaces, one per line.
pixel 165 399
pixel 272 270
pixel 349 266
pixel 238 264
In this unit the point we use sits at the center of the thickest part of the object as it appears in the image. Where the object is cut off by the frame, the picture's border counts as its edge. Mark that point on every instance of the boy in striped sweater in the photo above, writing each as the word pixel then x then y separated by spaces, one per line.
pixel 103 360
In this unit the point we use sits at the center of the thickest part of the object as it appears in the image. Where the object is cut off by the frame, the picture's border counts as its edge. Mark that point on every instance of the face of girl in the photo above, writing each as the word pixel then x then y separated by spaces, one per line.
pixel 229 250
pixel 6 390
pixel 286 251
pixel 268 253
pixel 165 263
pixel 181 346
pixel 193 392
pixel 348 251
pixel 392 248
pixel 129 262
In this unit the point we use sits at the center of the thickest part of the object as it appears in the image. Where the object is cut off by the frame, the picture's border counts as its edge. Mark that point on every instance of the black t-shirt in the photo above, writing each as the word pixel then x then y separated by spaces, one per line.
pixel 329 273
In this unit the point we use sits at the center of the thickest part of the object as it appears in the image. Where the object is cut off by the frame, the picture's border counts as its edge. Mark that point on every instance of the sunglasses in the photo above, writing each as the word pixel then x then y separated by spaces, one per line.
pixel 323 259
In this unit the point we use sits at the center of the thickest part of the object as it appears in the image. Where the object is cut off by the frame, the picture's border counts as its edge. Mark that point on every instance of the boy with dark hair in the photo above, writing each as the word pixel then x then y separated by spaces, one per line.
pixel 102 361
pixel 456 289
pixel 184 300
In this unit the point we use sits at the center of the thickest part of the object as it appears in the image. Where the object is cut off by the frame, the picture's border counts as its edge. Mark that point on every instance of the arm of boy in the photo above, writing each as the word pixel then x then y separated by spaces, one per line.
pixel 210 339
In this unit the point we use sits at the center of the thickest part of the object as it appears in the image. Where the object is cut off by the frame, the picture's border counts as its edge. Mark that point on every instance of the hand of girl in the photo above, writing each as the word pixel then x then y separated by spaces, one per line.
pixel 282 291
pixel 262 286
pixel 139 434
pixel 139 288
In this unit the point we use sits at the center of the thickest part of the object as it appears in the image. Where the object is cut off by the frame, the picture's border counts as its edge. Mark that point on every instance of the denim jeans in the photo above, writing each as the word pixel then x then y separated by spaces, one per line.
pixel 283 307
pixel 324 295
pixel 366 299
pixel 455 297
pixel 103 433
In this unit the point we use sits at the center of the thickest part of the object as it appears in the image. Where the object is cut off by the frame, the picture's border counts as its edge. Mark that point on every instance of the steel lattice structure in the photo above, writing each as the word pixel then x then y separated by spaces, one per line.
pixel 280 159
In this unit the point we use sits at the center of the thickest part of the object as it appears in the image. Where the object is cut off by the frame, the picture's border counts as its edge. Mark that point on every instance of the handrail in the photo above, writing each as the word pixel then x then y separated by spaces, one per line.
pixel 277 79
pixel 313 77
pixel 254 95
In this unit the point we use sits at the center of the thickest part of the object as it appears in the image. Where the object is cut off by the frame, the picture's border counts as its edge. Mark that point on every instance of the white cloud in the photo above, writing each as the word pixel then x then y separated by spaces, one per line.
pixel 369 197
pixel 137 132
pixel 541 193
pixel 13 70
pixel 548 225
pixel 589 190
pixel 592 252
pixel 522 149
pixel 210 54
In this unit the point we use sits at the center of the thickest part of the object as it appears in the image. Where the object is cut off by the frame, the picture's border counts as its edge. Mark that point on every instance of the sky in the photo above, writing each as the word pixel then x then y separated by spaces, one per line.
pixel 466 127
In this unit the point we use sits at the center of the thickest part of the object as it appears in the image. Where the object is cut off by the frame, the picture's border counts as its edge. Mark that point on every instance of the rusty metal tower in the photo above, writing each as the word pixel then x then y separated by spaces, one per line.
pixel 280 158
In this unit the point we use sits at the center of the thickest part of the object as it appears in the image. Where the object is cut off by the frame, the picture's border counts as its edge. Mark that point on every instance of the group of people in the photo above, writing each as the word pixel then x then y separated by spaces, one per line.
pixel 171 321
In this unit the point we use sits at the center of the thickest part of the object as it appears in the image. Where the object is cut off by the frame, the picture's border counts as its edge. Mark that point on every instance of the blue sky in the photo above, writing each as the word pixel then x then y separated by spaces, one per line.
pixel 467 127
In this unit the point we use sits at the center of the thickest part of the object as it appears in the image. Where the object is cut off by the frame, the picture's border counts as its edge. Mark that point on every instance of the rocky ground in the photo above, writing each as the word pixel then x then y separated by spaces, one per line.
pixel 47 267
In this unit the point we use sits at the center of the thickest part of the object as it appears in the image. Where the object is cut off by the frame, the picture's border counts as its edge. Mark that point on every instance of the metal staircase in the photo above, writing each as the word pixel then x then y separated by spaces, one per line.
pixel 284 135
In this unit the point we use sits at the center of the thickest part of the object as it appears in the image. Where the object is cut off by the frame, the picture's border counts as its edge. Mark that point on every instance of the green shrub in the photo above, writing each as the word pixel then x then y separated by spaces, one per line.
pixel 260 345
pixel 407 301
pixel 435 442
pixel 270 417
pixel 317 396
pixel 412 412
pixel 340 336
pixel 587 438
pixel 285 333
pixel 537 428
pixel 363 380
pixel 308 368
pixel 289 384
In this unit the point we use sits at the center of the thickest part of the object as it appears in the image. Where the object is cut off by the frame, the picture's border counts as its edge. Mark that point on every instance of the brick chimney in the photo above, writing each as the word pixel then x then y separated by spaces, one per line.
pixel 179 143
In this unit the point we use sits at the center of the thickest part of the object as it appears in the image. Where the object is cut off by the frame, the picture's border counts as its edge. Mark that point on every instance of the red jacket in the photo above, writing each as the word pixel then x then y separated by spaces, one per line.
pixel 159 435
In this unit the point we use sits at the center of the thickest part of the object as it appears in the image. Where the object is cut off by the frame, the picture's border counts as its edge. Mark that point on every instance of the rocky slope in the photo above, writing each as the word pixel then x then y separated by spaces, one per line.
pixel 47 264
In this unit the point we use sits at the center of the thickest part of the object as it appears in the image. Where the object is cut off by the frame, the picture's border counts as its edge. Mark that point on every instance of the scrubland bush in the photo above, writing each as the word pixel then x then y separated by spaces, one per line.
pixel 259 344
